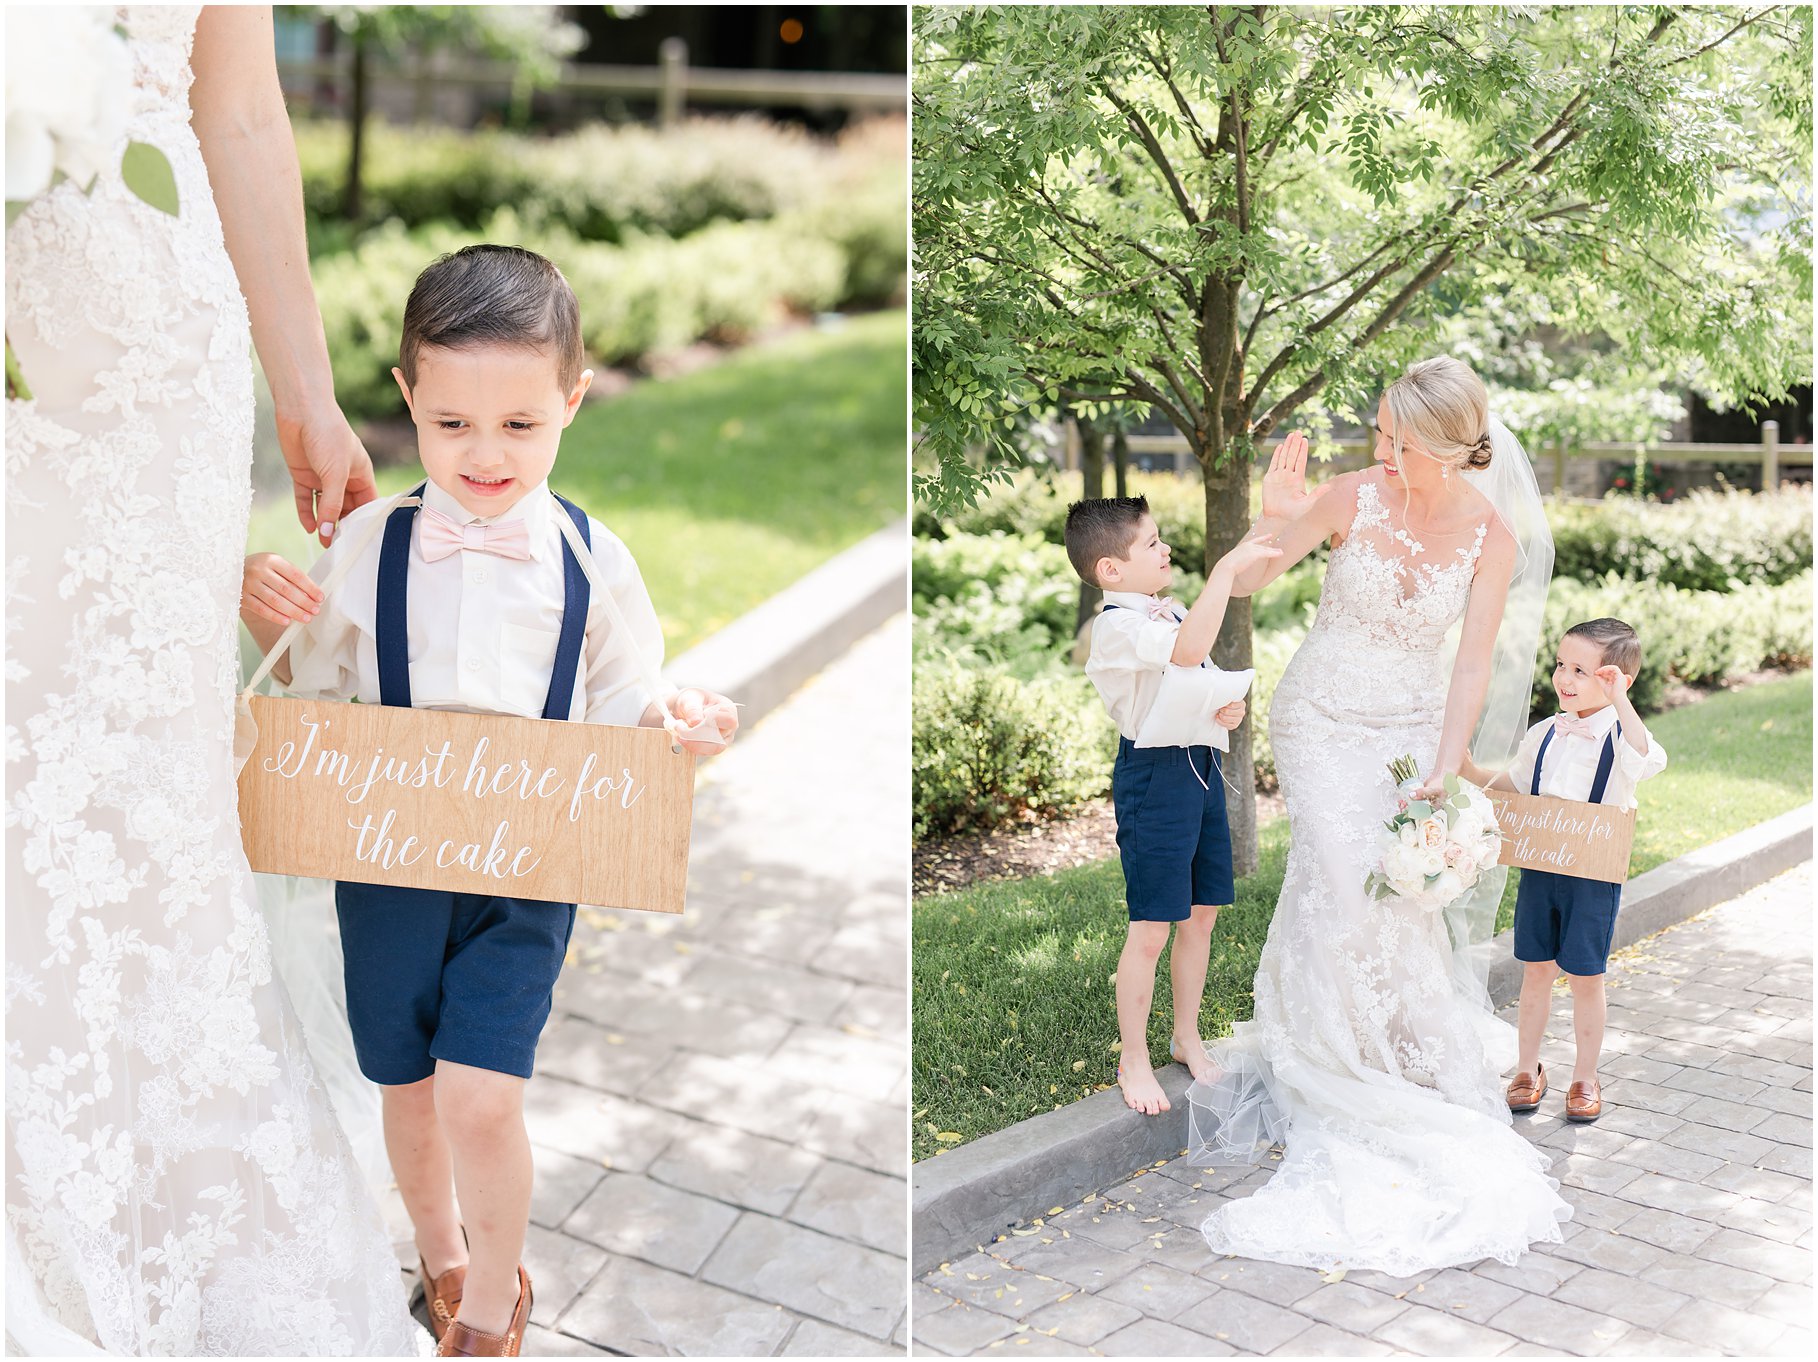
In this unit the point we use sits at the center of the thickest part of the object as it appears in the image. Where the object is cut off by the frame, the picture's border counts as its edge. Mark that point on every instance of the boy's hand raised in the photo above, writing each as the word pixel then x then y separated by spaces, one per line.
pixel 1285 494
pixel 1256 547
pixel 272 588
pixel 1613 680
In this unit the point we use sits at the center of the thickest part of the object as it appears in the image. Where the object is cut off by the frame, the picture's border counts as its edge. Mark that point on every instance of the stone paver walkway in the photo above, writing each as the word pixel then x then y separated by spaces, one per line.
pixel 1693 1197
pixel 719 1104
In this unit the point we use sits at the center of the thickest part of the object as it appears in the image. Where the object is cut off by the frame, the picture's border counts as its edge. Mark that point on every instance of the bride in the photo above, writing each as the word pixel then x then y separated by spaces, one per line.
pixel 1373 1055
pixel 176 1182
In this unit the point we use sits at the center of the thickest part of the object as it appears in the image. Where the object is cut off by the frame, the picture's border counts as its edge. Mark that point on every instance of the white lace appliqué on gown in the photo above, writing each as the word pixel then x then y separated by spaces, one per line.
pixel 1380 1077
pixel 176 1182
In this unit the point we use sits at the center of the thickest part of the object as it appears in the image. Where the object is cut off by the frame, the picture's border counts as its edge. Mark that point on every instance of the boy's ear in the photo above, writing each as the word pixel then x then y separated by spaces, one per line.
pixel 1108 572
pixel 573 403
pixel 404 388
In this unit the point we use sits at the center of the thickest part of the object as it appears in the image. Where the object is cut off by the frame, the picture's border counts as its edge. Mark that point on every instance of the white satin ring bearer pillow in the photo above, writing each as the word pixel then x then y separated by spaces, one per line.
pixel 1182 713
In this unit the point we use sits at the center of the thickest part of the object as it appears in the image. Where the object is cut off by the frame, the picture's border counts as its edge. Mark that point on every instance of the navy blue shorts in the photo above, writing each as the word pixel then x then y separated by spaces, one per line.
pixel 434 975
pixel 1172 833
pixel 1566 920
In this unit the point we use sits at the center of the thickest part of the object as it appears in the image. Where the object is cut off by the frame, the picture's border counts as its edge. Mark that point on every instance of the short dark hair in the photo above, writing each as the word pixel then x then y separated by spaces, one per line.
pixel 1101 527
pixel 1618 645
pixel 493 295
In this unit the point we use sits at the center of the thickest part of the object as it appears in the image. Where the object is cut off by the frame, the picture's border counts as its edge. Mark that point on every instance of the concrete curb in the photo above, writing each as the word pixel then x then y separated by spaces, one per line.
pixel 967 1197
pixel 764 655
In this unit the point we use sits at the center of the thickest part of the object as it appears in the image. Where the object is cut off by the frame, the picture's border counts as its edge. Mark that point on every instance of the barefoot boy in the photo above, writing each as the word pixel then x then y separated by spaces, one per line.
pixel 1172 834
pixel 1595 751
pixel 475 602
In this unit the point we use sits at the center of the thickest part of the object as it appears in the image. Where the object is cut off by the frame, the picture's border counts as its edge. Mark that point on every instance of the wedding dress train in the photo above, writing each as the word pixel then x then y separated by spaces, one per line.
pixel 176 1181
pixel 1368 1055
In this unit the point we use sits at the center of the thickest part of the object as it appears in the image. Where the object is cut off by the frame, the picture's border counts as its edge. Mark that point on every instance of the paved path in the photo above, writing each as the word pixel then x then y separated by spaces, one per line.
pixel 718 1112
pixel 1693 1198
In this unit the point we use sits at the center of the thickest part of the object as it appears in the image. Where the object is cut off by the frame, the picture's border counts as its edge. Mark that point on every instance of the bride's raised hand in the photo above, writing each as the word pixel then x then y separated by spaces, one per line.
pixel 330 468
pixel 1285 494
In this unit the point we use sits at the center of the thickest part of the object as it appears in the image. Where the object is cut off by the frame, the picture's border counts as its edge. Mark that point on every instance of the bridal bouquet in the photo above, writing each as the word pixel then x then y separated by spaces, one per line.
pixel 1434 850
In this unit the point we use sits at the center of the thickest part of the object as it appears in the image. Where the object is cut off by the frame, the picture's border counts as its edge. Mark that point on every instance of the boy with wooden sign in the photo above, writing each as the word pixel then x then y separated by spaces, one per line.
pixel 1596 750
pixel 473 601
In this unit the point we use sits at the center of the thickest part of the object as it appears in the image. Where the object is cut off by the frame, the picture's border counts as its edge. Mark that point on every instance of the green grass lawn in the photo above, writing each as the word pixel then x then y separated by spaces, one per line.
pixel 1013 995
pixel 731 482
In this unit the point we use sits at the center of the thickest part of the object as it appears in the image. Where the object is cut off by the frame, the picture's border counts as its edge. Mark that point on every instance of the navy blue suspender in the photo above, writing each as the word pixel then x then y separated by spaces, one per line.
pixel 1606 762
pixel 391 620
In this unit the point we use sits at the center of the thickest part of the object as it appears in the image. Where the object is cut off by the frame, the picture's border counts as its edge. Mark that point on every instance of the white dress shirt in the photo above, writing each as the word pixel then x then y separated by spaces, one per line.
pixel 483 628
pixel 1571 765
pixel 1131 652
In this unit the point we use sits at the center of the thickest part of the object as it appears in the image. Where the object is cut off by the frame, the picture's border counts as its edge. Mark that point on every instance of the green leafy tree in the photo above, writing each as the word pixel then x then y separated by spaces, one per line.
pixel 533 37
pixel 1227 213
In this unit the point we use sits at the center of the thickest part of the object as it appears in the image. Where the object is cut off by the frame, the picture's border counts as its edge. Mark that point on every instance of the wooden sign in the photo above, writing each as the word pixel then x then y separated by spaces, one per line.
pixel 1585 841
pixel 475 803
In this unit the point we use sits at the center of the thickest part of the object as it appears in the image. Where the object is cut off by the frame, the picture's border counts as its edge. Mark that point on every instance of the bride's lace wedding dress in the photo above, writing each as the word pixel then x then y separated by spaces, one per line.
pixel 1367 1057
pixel 176 1182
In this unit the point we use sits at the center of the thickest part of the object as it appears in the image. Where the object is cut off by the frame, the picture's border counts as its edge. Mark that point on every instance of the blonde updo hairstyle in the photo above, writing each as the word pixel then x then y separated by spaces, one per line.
pixel 1443 404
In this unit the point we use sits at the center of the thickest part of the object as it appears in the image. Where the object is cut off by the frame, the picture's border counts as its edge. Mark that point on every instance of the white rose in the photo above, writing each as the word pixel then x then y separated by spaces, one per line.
pixel 1430 860
pixel 1467 827
pixel 69 91
pixel 1398 864
pixel 1408 835
pixel 1446 888
pixel 1432 832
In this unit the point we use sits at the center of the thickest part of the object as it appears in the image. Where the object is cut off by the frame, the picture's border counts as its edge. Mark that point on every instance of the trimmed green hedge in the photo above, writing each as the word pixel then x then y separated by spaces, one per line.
pixel 1704 542
pixel 988 747
pixel 637 300
pixel 1698 637
pixel 604 183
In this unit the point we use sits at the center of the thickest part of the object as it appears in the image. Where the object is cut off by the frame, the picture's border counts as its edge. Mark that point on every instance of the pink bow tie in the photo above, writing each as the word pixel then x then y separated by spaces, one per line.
pixel 1567 726
pixel 443 535
pixel 1163 609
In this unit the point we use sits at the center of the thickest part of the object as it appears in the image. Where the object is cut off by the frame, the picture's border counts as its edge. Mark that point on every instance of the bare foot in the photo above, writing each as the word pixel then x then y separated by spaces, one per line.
pixel 1141 1091
pixel 1191 1051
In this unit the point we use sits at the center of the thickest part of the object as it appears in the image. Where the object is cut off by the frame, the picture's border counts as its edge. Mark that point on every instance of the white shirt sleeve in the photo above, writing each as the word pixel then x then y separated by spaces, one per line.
pixel 1123 640
pixel 324 657
pixel 612 674
pixel 1638 766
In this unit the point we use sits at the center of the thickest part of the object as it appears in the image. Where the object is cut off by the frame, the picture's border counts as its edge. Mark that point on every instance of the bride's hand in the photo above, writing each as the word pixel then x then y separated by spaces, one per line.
pixel 1285 494
pixel 1434 787
pixel 329 466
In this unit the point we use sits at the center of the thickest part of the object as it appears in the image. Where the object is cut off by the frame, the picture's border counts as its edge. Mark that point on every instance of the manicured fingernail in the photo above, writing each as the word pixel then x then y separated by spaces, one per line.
pixel 328 529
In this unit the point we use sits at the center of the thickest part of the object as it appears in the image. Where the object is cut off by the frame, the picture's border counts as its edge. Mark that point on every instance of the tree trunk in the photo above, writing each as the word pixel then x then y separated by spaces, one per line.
pixel 351 205
pixel 1227 520
pixel 1092 470
pixel 1120 459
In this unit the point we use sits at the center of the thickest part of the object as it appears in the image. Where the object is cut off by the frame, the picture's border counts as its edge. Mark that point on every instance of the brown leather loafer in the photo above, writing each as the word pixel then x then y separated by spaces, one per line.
pixel 1526 1089
pixel 442 1295
pixel 461 1341
pixel 1584 1101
